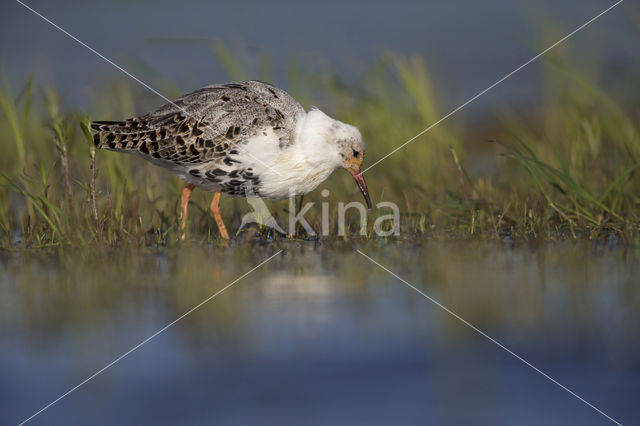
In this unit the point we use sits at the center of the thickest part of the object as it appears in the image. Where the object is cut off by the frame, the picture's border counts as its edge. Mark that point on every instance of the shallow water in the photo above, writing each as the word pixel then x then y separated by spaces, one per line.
pixel 321 335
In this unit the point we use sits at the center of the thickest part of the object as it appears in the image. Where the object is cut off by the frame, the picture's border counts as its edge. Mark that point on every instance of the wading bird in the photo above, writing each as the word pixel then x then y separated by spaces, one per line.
pixel 239 139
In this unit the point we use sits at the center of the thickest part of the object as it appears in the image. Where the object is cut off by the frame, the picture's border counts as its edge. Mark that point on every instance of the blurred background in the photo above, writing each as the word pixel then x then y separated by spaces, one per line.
pixel 465 46
pixel 533 237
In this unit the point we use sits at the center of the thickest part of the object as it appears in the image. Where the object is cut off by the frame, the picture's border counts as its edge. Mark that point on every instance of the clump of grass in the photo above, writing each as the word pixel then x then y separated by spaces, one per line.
pixel 568 172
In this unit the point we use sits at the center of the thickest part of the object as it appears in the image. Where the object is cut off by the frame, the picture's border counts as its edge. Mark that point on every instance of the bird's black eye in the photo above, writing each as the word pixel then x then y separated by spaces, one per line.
pixel 356 154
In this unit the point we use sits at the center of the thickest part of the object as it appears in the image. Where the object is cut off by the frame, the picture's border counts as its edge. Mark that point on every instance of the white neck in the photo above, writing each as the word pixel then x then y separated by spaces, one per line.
pixel 300 168
pixel 316 139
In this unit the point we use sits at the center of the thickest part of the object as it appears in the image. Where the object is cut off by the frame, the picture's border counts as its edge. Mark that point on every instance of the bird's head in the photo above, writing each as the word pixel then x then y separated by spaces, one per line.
pixel 351 150
pixel 342 145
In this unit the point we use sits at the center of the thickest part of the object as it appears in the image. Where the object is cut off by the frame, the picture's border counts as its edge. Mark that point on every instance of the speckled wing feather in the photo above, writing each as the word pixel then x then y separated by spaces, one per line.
pixel 205 126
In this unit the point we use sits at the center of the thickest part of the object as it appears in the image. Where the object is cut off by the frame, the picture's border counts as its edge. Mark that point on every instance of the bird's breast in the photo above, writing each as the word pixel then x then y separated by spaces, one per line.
pixel 283 171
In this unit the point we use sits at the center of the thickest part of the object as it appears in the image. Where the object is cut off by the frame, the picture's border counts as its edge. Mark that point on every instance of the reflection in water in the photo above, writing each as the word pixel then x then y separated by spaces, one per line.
pixel 321 335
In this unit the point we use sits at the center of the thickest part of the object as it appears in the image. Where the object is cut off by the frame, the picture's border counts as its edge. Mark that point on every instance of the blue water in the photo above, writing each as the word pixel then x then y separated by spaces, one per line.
pixel 320 335
pixel 466 45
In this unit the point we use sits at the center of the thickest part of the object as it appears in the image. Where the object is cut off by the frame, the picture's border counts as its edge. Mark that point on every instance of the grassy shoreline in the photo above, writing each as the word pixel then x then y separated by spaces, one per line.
pixel 570 172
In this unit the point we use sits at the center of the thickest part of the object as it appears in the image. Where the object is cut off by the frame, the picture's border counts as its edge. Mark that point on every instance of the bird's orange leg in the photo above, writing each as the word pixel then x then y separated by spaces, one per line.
pixel 215 209
pixel 184 207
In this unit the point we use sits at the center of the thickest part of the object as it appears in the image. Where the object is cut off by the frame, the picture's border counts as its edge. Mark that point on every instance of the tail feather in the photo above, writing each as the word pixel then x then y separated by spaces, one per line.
pixel 123 135
pixel 135 134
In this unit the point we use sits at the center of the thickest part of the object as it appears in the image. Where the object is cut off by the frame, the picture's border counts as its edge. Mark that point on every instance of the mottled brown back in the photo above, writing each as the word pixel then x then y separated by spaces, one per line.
pixel 207 125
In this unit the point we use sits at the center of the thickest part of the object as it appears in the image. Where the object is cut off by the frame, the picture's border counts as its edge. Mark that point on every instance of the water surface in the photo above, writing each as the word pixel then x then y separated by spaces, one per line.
pixel 466 46
pixel 321 335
